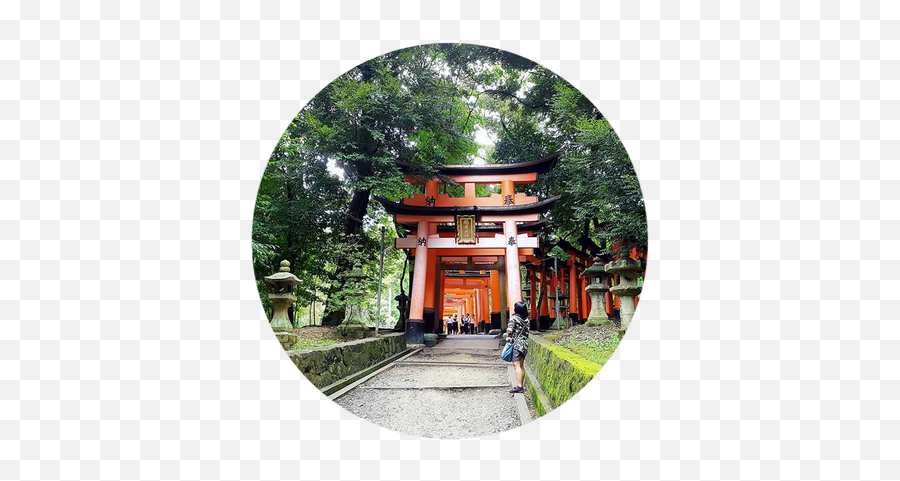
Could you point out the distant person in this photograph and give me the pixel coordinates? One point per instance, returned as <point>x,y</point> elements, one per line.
<point>517,334</point>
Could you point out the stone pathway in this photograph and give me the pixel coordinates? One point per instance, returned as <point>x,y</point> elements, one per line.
<point>458,389</point>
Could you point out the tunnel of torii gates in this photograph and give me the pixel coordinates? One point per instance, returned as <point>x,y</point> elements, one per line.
<point>469,251</point>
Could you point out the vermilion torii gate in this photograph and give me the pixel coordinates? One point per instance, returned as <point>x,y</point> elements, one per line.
<point>470,233</point>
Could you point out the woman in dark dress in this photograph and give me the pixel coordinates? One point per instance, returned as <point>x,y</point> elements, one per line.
<point>517,334</point>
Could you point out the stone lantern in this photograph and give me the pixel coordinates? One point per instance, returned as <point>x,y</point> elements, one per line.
<point>282,284</point>
<point>353,324</point>
<point>402,305</point>
<point>559,301</point>
<point>628,270</point>
<point>597,290</point>
<point>561,304</point>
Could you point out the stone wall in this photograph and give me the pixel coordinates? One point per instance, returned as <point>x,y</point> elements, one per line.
<point>326,365</point>
<point>287,339</point>
<point>560,372</point>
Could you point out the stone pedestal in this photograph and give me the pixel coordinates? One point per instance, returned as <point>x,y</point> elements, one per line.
<point>597,316</point>
<point>287,339</point>
<point>628,270</point>
<point>353,325</point>
<point>560,304</point>
<point>280,321</point>
<point>559,323</point>
<point>415,332</point>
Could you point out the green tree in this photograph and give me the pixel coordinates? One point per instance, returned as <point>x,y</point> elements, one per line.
<point>424,106</point>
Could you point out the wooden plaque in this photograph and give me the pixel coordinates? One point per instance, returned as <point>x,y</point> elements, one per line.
<point>465,229</point>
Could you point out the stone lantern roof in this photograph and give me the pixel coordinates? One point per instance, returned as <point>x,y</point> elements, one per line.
<point>596,269</point>
<point>624,265</point>
<point>357,274</point>
<point>283,276</point>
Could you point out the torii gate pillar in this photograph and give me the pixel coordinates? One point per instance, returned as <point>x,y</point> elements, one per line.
<point>415,326</point>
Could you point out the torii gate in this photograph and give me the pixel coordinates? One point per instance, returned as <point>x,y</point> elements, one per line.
<point>470,232</point>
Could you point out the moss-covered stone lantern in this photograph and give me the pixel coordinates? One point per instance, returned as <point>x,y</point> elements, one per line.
<point>353,325</point>
<point>627,289</point>
<point>597,289</point>
<point>282,285</point>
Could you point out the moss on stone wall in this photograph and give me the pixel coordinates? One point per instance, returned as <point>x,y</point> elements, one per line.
<point>536,400</point>
<point>326,365</point>
<point>561,372</point>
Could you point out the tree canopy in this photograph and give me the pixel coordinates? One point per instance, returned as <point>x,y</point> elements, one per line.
<point>430,105</point>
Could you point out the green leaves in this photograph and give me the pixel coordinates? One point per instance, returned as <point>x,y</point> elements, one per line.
<point>427,105</point>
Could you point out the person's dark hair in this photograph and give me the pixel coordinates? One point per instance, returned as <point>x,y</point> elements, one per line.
<point>521,310</point>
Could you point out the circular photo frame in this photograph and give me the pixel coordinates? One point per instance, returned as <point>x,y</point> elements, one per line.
<point>449,240</point>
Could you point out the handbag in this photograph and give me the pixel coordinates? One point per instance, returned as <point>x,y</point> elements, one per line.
<point>507,353</point>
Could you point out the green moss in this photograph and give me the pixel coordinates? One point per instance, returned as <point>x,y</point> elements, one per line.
<point>310,343</point>
<point>326,364</point>
<point>592,351</point>
<point>596,323</point>
<point>536,400</point>
<point>595,355</point>
<point>560,371</point>
<point>587,367</point>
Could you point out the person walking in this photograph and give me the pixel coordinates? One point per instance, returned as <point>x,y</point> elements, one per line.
<point>517,334</point>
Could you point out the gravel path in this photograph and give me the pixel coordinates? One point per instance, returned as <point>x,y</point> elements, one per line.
<point>455,356</point>
<point>447,414</point>
<point>407,375</point>
<point>439,413</point>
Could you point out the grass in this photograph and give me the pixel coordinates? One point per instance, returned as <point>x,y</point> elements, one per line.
<point>310,343</point>
<point>593,351</point>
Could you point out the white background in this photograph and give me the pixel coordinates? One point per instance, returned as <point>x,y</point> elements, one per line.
<point>133,137</point>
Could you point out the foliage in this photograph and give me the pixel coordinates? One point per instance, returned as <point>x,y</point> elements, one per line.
<point>426,106</point>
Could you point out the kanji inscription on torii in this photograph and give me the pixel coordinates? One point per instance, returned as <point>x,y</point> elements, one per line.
<point>465,229</point>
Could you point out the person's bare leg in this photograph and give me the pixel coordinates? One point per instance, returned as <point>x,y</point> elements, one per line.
<point>520,372</point>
